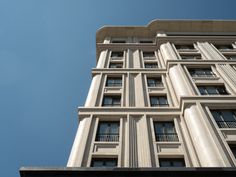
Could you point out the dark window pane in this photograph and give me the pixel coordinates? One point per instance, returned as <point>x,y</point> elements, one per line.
<point>154,82</point>
<point>158,101</point>
<point>184,47</point>
<point>116,65</point>
<point>225,118</point>
<point>114,82</point>
<point>111,101</point>
<point>118,41</point>
<point>108,131</point>
<point>146,42</point>
<point>173,162</point>
<point>117,54</point>
<point>150,65</point>
<point>233,149</point>
<point>148,54</point>
<point>165,131</point>
<point>108,162</point>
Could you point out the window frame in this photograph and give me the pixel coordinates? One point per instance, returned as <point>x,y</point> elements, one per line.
<point>194,72</point>
<point>109,136</point>
<point>104,160</point>
<point>218,89</point>
<point>114,81</point>
<point>223,122</point>
<point>182,160</point>
<point>157,82</point>
<point>117,55</point>
<point>150,64</point>
<point>164,135</point>
<point>158,101</point>
<point>112,97</point>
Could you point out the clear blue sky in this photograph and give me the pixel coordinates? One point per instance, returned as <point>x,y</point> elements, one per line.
<point>47,50</point>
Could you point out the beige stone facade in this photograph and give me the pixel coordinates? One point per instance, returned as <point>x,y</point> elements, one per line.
<point>161,95</point>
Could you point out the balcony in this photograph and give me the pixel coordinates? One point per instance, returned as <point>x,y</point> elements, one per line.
<point>226,124</point>
<point>167,137</point>
<point>108,137</point>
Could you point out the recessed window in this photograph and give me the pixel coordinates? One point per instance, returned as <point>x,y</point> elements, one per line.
<point>108,131</point>
<point>150,65</point>
<point>190,57</point>
<point>116,65</point>
<point>165,131</point>
<point>104,162</point>
<point>146,41</point>
<point>149,54</point>
<point>201,72</point>
<point>171,162</point>
<point>154,82</point>
<point>117,54</point>
<point>230,57</point>
<point>233,149</point>
<point>113,100</point>
<point>118,41</point>
<point>212,90</point>
<point>224,46</point>
<point>184,47</point>
<point>158,101</point>
<point>114,82</point>
<point>225,118</point>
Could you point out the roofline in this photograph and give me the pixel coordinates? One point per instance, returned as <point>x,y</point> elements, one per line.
<point>168,26</point>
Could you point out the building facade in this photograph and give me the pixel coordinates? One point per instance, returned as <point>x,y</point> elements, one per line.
<point>162,95</point>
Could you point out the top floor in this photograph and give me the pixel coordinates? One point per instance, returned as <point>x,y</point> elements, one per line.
<point>158,32</point>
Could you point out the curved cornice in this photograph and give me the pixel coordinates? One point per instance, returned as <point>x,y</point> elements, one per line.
<point>167,26</point>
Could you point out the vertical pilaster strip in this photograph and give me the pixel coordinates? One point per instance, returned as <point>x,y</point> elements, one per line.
<point>228,74</point>
<point>178,82</point>
<point>208,51</point>
<point>167,52</point>
<point>144,156</point>
<point>102,59</point>
<point>204,144</point>
<point>79,145</point>
<point>93,91</point>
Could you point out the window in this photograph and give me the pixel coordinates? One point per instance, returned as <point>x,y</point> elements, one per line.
<point>212,90</point>
<point>118,54</point>
<point>224,46</point>
<point>111,101</point>
<point>233,149</point>
<point>165,131</point>
<point>154,82</point>
<point>104,162</point>
<point>116,65</point>
<point>108,131</point>
<point>225,118</point>
<point>201,72</point>
<point>230,57</point>
<point>171,162</point>
<point>150,65</point>
<point>185,47</point>
<point>118,41</point>
<point>114,82</point>
<point>158,101</point>
<point>191,57</point>
<point>146,41</point>
<point>148,54</point>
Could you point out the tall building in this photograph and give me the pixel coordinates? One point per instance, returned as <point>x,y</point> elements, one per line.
<point>162,96</point>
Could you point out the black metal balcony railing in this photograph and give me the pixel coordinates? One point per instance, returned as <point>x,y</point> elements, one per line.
<point>226,124</point>
<point>107,137</point>
<point>167,137</point>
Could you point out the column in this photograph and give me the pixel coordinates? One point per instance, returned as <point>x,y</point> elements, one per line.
<point>204,144</point>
